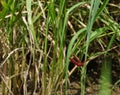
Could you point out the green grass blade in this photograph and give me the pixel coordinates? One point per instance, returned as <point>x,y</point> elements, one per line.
<point>105,83</point>
<point>105,2</point>
<point>30,22</point>
<point>71,50</point>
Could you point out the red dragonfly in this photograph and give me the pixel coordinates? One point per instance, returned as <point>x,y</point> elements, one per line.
<point>75,60</point>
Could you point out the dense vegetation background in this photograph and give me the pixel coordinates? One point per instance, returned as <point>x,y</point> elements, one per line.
<point>37,38</point>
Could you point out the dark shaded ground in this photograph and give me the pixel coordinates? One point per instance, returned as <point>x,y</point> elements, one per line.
<point>93,78</point>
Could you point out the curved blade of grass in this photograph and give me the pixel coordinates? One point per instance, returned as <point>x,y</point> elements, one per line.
<point>71,43</point>
<point>95,34</point>
<point>116,83</point>
<point>70,50</point>
<point>67,15</point>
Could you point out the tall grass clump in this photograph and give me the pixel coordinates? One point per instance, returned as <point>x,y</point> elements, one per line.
<point>93,15</point>
<point>37,38</point>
